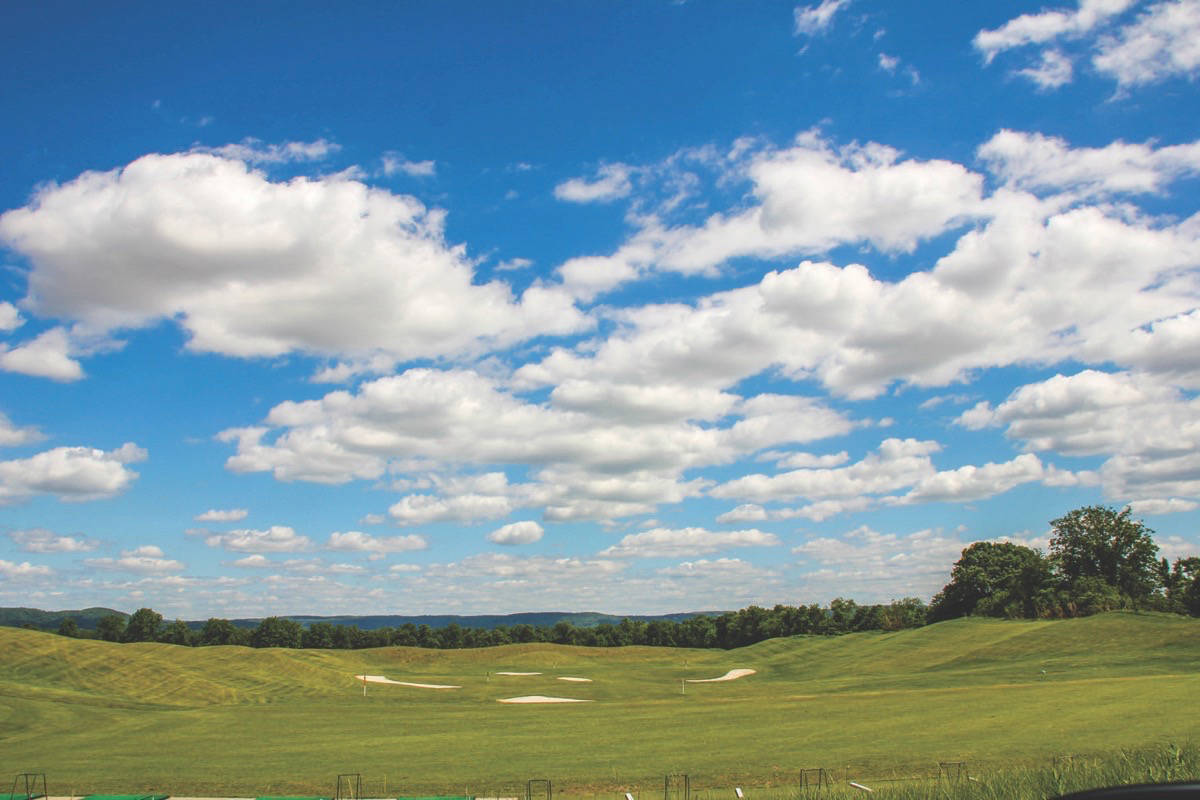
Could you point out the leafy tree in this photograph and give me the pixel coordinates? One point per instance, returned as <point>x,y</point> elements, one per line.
<point>564,633</point>
<point>318,636</point>
<point>218,631</point>
<point>110,627</point>
<point>1101,542</point>
<point>997,579</point>
<point>909,612</point>
<point>178,633</point>
<point>68,627</point>
<point>1183,586</point>
<point>277,632</point>
<point>143,626</point>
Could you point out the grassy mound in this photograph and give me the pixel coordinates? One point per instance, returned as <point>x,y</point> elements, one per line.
<point>232,721</point>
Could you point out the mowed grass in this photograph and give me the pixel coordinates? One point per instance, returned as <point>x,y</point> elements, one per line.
<point>230,721</point>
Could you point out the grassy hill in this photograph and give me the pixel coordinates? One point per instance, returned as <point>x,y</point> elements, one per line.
<point>234,721</point>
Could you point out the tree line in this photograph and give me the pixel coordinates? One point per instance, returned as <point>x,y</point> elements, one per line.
<point>1099,559</point>
<point>728,630</point>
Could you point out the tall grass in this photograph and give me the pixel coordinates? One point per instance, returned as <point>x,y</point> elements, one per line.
<point>1166,763</point>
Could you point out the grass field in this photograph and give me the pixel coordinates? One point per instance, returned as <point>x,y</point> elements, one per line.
<point>229,721</point>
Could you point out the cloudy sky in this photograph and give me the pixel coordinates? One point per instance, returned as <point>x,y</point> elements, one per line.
<point>631,307</point>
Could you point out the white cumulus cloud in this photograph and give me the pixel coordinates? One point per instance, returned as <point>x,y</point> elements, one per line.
<point>524,532</point>
<point>73,474</point>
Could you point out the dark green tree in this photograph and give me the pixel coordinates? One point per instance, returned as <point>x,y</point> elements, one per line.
<point>998,579</point>
<point>110,627</point>
<point>218,631</point>
<point>1101,542</point>
<point>144,625</point>
<point>317,636</point>
<point>178,633</point>
<point>68,627</point>
<point>277,632</point>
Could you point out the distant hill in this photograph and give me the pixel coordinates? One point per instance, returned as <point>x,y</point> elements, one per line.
<point>50,620</point>
<point>88,617</point>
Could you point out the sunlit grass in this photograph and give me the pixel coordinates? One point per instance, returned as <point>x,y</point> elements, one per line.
<point>1001,696</point>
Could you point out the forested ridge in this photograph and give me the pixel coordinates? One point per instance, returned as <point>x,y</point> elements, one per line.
<point>1099,559</point>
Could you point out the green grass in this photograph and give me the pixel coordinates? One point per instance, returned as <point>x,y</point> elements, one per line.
<point>229,721</point>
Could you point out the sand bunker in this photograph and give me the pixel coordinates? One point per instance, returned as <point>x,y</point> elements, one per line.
<point>732,675</point>
<point>518,673</point>
<point>541,698</point>
<point>382,679</point>
<point>576,680</point>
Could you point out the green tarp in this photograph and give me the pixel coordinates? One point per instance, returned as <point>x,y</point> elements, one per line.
<point>126,797</point>
<point>20,796</point>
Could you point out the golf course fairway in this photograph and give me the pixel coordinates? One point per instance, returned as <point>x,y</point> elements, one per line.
<point>234,721</point>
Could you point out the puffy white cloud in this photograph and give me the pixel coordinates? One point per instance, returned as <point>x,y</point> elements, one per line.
<point>12,436</point>
<point>10,318</point>
<point>377,546</point>
<point>591,459</point>
<point>524,532</point>
<point>146,559</point>
<point>40,540</point>
<point>612,181</point>
<point>1164,42</point>
<point>1054,70</point>
<point>276,539</point>
<point>816,19</point>
<point>1042,280</point>
<point>73,474</point>
<point>747,512</point>
<point>1163,505</point>
<point>671,543</point>
<point>255,562</point>
<point>810,461</point>
<point>46,356</point>
<point>1148,428</point>
<point>24,571</point>
<point>420,509</point>
<point>222,515</point>
<point>1036,161</point>
<point>1046,26</point>
<point>899,463</point>
<point>1160,43</point>
<point>253,267</point>
<point>970,482</point>
<point>813,197</point>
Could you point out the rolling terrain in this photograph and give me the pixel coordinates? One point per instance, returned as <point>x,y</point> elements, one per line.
<point>232,721</point>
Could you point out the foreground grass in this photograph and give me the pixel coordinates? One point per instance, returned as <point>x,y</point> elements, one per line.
<point>235,722</point>
<point>1163,764</point>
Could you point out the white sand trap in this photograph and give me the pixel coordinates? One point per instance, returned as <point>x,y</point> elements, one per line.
<point>732,675</point>
<point>518,673</point>
<point>541,698</point>
<point>576,680</point>
<point>382,679</point>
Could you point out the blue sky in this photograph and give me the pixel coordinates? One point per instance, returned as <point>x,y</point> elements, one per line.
<point>629,307</point>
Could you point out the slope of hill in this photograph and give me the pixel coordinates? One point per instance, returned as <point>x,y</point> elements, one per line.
<point>232,721</point>
<point>49,620</point>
